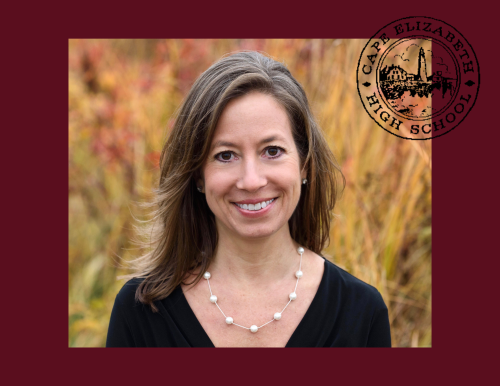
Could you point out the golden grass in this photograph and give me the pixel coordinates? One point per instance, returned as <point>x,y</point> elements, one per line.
<point>121,97</point>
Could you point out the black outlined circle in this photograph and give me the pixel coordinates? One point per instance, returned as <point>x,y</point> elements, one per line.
<point>462,99</point>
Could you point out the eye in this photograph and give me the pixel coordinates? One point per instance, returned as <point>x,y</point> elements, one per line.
<point>225,156</point>
<point>274,151</point>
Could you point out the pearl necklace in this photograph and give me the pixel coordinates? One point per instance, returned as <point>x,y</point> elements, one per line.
<point>277,315</point>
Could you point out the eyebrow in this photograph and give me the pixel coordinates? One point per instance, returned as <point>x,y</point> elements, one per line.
<point>265,140</point>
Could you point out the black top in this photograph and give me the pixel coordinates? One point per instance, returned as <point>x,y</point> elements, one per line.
<point>345,312</point>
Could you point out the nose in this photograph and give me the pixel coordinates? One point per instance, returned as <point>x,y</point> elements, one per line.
<point>251,176</point>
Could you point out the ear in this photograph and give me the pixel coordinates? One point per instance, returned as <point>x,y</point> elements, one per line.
<point>198,177</point>
<point>303,174</point>
<point>199,183</point>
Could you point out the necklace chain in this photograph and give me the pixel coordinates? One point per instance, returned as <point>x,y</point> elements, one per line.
<point>277,315</point>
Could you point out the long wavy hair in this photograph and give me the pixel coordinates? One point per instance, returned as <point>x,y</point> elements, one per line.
<point>181,233</point>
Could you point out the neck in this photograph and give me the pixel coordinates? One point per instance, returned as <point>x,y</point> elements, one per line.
<point>256,261</point>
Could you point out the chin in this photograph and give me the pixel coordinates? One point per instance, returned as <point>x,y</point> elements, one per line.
<point>258,232</point>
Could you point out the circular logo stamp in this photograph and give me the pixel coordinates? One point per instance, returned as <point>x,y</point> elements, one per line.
<point>418,78</point>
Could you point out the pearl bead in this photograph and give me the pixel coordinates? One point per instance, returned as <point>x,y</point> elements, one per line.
<point>298,274</point>
<point>300,250</point>
<point>254,328</point>
<point>207,275</point>
<point>277,316</point>
<point>213,298</point>
<point>293,296</point>
<point>229,320</point>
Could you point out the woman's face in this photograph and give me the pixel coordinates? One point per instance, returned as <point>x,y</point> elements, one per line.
<point>252,157</point>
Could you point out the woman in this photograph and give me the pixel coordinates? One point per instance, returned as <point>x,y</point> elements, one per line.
<point>243,210</point>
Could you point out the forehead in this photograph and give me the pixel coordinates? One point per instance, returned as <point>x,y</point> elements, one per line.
<point>254,117</point>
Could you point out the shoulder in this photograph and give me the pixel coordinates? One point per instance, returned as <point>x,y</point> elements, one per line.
<point>126,295</point>
<point>351,287</point>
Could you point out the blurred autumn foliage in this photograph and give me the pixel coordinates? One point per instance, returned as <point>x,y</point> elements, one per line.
<point>122,95</point>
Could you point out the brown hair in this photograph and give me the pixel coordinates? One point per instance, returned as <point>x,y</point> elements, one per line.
<point>181,234</point>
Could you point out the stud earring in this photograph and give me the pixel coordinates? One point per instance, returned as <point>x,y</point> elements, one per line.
<point>200,188</point>
<point>304,181</point>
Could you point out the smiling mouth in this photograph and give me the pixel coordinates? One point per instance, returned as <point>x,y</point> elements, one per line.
<point>252,208</point>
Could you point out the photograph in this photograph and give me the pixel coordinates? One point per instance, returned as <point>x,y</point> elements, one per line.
<point>243,193</point>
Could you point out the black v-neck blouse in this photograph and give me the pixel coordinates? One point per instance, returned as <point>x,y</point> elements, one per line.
<point>345,312</point>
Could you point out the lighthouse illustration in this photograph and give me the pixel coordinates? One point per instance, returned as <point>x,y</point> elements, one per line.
<point>422,66</point>
<point>409,94</point>
<point>394,73</point>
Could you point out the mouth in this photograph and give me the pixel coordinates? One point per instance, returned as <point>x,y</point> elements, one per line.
<point>251,208</point>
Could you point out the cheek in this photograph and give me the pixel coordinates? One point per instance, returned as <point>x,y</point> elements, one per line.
<point>218,183</point>
<point>290,175</point>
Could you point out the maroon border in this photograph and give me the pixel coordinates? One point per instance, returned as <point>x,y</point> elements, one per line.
<point>463,166</point>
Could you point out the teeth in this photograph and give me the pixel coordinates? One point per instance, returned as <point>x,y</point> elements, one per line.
<point>254,207</point>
